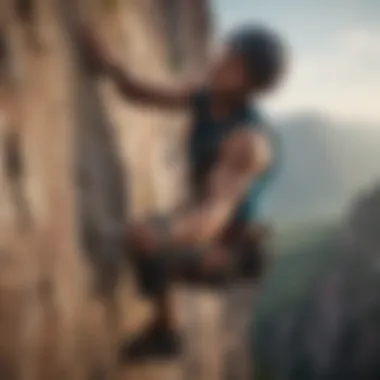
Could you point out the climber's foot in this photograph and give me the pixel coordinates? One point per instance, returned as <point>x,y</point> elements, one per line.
<point>157,342</point>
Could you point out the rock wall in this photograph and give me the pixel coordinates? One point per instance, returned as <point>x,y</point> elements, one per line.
<point>323,322</point>
<point>89,160</point>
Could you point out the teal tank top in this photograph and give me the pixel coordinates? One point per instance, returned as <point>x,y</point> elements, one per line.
<point>204,142</point>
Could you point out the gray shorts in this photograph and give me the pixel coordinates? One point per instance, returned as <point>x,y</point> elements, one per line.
<point>247,261</point>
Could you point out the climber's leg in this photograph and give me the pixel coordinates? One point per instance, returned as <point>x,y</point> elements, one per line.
<point>160,338</point>
<point>153,270</point>
<point>236,256</point>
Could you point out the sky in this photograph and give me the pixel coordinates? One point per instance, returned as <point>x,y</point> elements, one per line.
<point>335,53</point>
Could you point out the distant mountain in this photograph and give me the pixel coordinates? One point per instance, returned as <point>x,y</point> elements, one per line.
<point>324,164</point>
<point>317,309</point>
<point>294,237</point>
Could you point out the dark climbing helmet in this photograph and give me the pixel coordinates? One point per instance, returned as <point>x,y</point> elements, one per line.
<point>263,53</point>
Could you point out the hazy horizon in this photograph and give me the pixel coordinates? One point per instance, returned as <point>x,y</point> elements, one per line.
<point>323,167</point>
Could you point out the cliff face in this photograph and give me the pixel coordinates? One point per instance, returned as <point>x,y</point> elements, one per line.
<point>90,160</point>
<point>324,321</point>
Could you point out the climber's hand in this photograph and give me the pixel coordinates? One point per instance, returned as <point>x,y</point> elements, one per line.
<point>144,237</point>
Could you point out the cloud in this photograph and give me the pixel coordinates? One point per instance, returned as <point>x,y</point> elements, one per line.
<point>343,80</point>
<point>336,68</point>
<point>360,41</point>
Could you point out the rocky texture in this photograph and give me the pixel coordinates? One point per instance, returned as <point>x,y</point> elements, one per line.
<point>317,315</point>
<point>87,155</point>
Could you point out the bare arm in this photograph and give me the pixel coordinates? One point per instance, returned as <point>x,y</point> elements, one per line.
<point>99,58</point>
<point>147,94</point>
<point>244,156</point>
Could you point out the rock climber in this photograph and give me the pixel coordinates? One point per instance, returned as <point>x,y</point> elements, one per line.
<point>232,154</point>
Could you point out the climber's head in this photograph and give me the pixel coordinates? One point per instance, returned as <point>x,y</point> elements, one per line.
<point>253,62</point>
